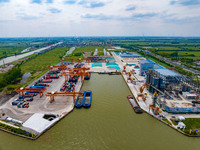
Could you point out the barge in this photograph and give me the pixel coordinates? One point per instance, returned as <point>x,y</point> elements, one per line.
<point>133,103</point>
<point>88,98</point>
<point>80,100</point>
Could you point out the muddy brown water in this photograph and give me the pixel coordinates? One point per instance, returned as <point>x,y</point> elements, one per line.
<point>109,124</point>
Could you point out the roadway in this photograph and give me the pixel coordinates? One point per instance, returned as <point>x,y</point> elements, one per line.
<point>174,63</point>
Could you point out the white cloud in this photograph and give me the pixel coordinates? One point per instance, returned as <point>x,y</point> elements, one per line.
<point>98,18</point>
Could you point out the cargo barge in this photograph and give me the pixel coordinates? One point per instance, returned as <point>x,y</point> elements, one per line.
<point>133,103</point>
<point>80,100</point>
<point>88,98</point>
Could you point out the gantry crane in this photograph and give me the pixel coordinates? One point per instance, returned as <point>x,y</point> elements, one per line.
<point>86,59</point>
<point>72,72</point>
<point>35,90</point>
<point>70,59</point>
<point>57,67</point>
<point>81,74</point>
<point>73,94</point>
<point>83,69</point>
<point>141,89</point>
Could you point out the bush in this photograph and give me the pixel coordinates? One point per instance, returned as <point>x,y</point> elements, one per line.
<point>11,76</point>
<point>78,54</point>
<point>15,130</point>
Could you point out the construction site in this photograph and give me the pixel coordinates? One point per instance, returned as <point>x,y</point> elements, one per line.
<point>158,91</point>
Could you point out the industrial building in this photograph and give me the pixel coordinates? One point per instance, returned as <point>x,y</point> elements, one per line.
<point>162,78</point>
<point>146,65</point>
<point>130,56</point>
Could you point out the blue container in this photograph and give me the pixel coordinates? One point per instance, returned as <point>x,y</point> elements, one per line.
<point>38,87</point>
<point>21,97</point>
<point>15,102</point>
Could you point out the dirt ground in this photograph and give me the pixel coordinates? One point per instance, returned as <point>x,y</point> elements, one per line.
<point>5,97</point>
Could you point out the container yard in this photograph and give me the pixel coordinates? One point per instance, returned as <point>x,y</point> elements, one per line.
<point>156,90</point>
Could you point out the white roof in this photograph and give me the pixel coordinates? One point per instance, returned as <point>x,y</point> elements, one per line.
<point>181,118</point>
<point>181,124</point>
<point>38,123</point>
<point>191,94</point>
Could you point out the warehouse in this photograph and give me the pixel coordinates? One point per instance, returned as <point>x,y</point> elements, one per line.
<point>145,65</point>
<point>161,78</point>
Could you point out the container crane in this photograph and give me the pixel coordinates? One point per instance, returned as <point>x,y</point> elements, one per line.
<point>57,67</point>
<point>86,59</point>
<point>81,69</point>
<point>53,94</point>
<point>70,59</point>
<point>81,74</point>
<point>35,90</point>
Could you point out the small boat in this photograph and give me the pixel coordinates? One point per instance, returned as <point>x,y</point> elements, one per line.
<point>88,98</point>
<point>80,100</point>
<point>133,103</point>
<point>103,72</point>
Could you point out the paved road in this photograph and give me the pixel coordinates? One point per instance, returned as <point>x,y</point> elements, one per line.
<point>69,52</point>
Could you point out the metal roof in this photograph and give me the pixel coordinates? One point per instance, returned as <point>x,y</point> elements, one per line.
<point>130,55</point>
<point>146,61</point>
<point>167,72</point>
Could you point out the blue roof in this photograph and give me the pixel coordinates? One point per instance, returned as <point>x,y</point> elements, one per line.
<point>167,72</point>
<point>130,55</point>
<point>145,61</point>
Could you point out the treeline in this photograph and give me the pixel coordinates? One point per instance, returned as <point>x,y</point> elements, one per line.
<point>10,77</point>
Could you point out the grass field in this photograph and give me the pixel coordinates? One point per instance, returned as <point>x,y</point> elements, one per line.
<point>167,121</point>
<point>101,54</point>
<point>192,123</point>
<point>40,62</point>
<point>183,54</point>
<point>6,50</point>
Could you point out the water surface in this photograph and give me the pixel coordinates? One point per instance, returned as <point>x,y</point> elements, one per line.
<point>110,124</point>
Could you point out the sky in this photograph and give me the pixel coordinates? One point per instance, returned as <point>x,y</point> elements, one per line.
<point>43,18</point>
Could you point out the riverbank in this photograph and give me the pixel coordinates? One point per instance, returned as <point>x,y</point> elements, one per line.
<point>145,105</point>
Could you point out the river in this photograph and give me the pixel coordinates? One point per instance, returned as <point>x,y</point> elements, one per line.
<point>110,124</point>
<point>14,58</point>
